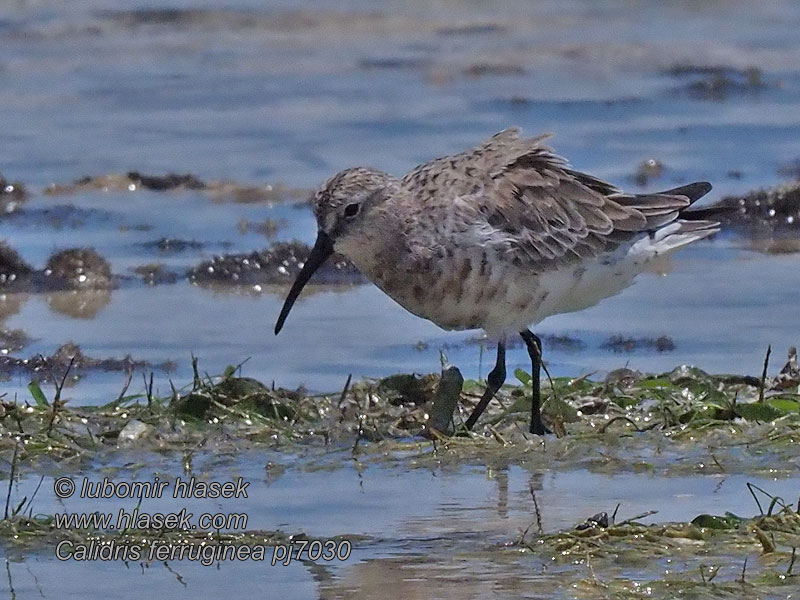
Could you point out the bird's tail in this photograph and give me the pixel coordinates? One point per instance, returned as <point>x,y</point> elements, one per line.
<point>663,208</point>
<point>690,224</point>
<point>681,232</point>
<point>693,191</point>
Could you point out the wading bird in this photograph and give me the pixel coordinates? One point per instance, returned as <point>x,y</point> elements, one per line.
<point>497,238</point>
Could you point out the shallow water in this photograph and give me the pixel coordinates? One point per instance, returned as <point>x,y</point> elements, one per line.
<point>463,511</point>
<point>281,95</point>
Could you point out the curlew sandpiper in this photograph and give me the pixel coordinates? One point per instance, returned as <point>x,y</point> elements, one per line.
<point>497,238</point>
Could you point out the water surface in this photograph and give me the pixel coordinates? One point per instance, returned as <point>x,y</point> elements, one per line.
<point>275,93</point>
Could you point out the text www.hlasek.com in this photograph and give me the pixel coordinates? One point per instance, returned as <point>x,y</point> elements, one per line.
<point>124,520</point>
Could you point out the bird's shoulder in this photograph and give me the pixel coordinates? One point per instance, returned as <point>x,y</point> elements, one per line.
<point>467,172</point>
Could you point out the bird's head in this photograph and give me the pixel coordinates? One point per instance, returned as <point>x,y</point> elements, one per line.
<point>341,208</point>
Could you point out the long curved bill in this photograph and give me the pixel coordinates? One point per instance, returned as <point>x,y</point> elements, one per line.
<point>322,249</point>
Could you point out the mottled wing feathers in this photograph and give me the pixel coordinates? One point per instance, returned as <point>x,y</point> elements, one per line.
<point>543,212</point>
<point>467,172</point>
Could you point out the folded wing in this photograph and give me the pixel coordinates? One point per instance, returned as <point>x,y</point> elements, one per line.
<point>545,213</point>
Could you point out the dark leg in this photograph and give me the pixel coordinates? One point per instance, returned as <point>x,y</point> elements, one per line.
<point>493,383</point>
<point>534,345</point>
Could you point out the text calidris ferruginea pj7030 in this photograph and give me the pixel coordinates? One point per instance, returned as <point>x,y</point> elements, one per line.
<point>497,238</point>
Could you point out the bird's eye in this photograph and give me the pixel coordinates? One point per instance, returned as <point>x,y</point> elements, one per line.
<point>351,210</point>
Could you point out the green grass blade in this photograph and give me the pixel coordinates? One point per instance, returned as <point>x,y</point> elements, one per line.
<point>38,395</point>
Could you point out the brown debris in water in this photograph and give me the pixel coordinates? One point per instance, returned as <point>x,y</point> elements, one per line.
<point>619,343</point>
<point>233,19</point>
<point>266,227</point>
<point>42,368</point>
<point>472,29</point>
<point>12,193</point>
<point>394,62</point>
<point>76,269</point>
<point>130,181</point>
<point>241,393</point>
<point>79,268</point>
<point>623,378</point>
<point>407,388</point>
<point>11,189</point>
<point>12,267</point>
<point>561,342</point>
<point>774,245</point>
<point>105,183</point>
<point>278,264</point>
<point>228,191</point>
<point>13,340</point>
<point>170,181</point>
<point>155,274</point>
<point>717,83</point>
<point>768,209</point>
<point>219,191</point>
<point>173,245</point>
<point>477,70</point>
<point>647,171</point>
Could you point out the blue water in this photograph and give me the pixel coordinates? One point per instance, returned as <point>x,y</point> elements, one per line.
<point>276,93</point>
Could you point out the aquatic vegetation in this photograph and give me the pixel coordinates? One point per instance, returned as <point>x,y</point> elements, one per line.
<point>170,181</point>
<point>173,245</point>
<point>70,269</point>
<point>280,263</point>
<point>156,274</point>
<point>686,413</point>
<point>12,194</point>
<point>718,83</point>
<point>12,340</point>
<point>773,207</point>
<point>219,191</point>
<point>618,343</point>
<point>79,268</point>
<point>711,556</point>
<point>677,422</point>
<point>648,170</point>
<point>68,356</point>
<point>12,266</point>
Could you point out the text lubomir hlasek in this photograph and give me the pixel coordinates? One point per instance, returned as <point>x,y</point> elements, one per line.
<point>181,488</point>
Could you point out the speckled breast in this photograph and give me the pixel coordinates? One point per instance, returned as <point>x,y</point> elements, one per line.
<point>468,291</point>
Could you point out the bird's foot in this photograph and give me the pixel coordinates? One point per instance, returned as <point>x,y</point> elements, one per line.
<point>538,427</point>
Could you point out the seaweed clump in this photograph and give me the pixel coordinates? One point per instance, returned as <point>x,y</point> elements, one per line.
<point>12,267</point>
<point>79,268</point>
<point>717,83</point>
<point>170,181</point>
<point>67,357</point>
<point>774,207</point>
<point>279,264</point>
<point>12,193</point>
<point>709,556</point>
